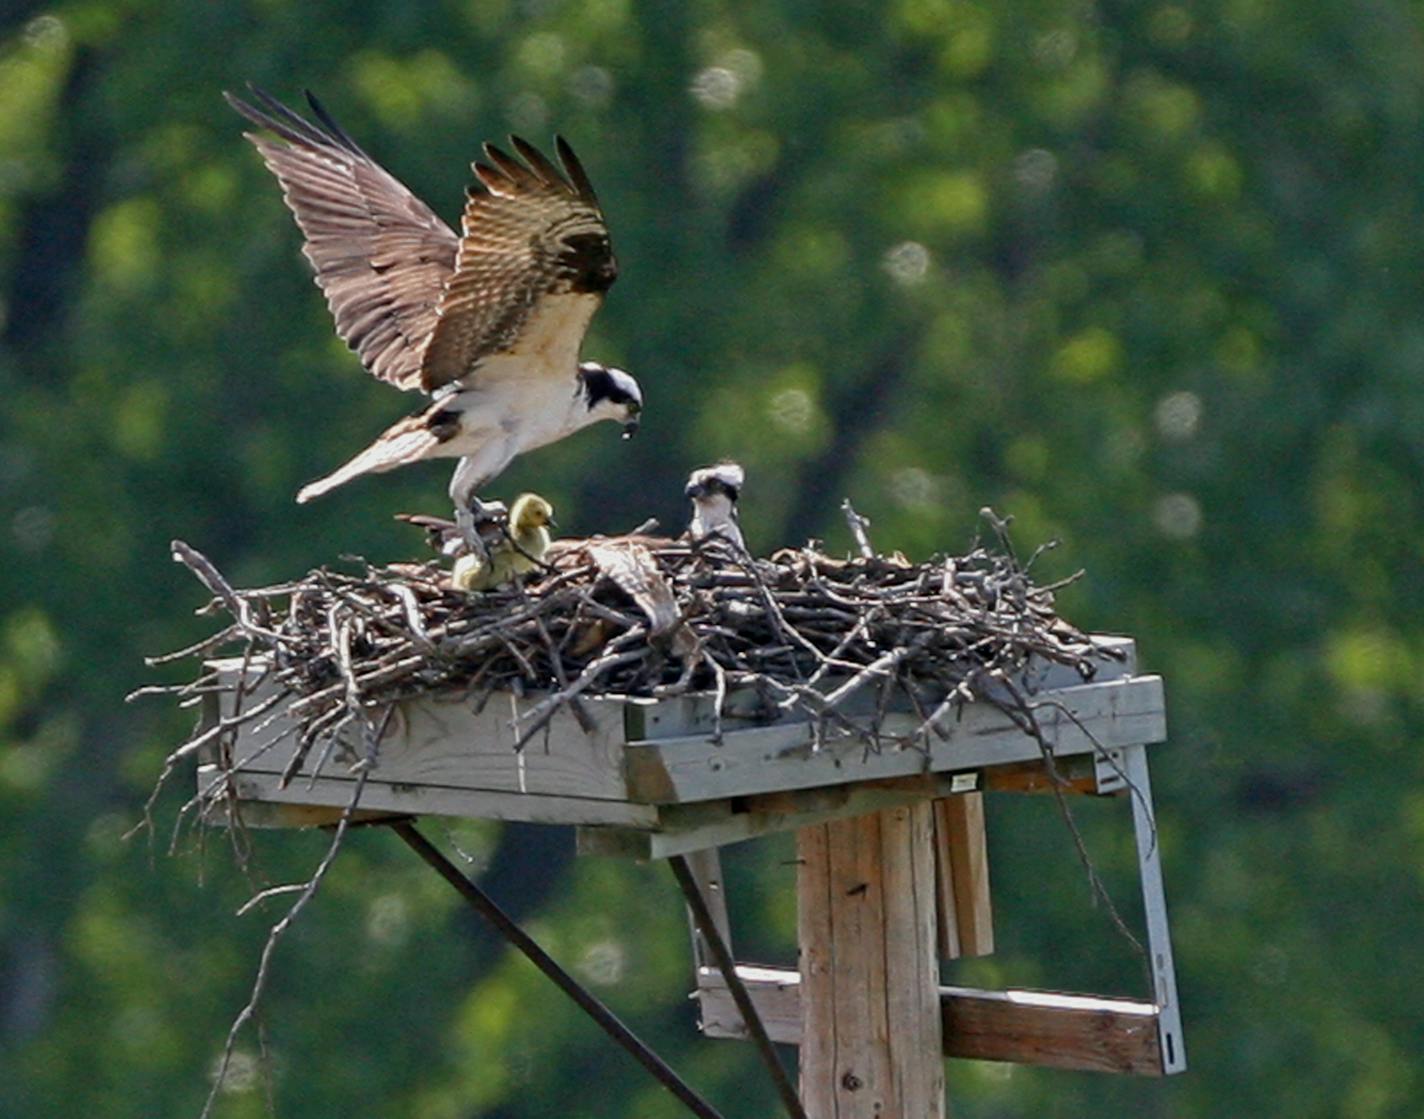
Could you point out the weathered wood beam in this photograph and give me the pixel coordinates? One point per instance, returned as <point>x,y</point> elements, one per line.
<point>442,740</point>
<point>1026,1027</point>
<point>264,814</point>
<point>869,1014</point>
<point>965,911</point>
<point>1076,776</point>
<point>683,828</point>
<point>1077,720</point>
<point>695,713</point>
<point>434,800</point>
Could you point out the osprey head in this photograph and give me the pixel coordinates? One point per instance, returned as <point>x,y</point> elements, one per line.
<point>725,478</point>
<point>611,394</point>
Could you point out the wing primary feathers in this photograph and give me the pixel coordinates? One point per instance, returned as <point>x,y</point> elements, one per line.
<point>288,132</point>
<point>490,179</point>
<point>577,175</point>
<point>335,130</point>
<point>511,168</point>
<point>273,115</point>
<point>381,256</point>
<point>503,171</point>
<point>292,126</point>
<point>540,163</point>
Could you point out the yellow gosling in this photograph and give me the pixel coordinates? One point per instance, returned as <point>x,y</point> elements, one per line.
<point>518,554</point>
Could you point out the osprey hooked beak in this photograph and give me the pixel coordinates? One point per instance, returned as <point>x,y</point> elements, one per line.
<point>632,420</point>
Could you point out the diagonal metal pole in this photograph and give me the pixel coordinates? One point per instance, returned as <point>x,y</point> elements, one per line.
<point>606,1019</point>
<point>722,956</point>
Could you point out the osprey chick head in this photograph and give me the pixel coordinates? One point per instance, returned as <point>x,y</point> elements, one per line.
<point>725,478</point>
<point>714,491</point>
<point>611,394</point>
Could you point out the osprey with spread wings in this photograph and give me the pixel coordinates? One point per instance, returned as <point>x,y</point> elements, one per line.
<point>488,323</point>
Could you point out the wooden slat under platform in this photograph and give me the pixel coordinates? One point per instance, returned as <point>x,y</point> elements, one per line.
<point>1027,1027</point>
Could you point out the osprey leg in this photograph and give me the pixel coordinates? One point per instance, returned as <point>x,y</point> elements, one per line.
<point>472,514</point>
<point>478,519</point>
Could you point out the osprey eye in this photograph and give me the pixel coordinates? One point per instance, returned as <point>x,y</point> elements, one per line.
<point>634,408</point>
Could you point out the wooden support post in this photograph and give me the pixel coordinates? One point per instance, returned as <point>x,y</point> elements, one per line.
<point>871,1030</point>
<point>965,912</point>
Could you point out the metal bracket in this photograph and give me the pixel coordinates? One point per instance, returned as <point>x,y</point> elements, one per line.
<point>1154,905</point>
<point>1109,771</point>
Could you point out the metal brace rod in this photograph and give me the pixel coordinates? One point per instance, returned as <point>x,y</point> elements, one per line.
<point>483,904</point>
<point>722,956</point>
<point>1154,905</point>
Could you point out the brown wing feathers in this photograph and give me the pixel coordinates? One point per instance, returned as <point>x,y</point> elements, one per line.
<point>381,255</point>
<point>529,229</point>
<point>421,306</point>
<point>575,170</point>
<point>537,172</point>
<point>507,176</point>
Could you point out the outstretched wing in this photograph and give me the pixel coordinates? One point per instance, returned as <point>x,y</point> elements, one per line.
<point>533,265</point>
<point>382,257</point>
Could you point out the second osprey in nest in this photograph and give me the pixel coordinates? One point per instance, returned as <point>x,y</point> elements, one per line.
<point>488,323</point>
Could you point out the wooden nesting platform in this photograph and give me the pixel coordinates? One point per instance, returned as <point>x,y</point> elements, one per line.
<point>650,777</point>
<point>655,778</point>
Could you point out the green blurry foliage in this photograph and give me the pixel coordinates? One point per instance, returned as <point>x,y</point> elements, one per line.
<point>1146,277</point>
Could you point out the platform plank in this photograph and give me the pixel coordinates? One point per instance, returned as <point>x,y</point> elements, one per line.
<point>684,828</point>
<point>1075,720</point>
<point>444,740</point>
<point>465,757</point>
<point>695,713</point>
<point>436,800</point>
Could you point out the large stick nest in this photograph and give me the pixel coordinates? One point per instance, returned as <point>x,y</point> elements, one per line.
<point>636,616</point>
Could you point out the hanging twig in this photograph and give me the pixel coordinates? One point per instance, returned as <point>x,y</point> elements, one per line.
<point>274,935</point>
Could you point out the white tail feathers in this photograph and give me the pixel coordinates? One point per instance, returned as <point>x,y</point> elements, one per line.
<point>406,442</point>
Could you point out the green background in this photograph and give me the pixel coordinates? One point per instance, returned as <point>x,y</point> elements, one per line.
<point>1145,276</point>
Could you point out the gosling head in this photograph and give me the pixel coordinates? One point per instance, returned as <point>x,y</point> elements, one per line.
<point>529,513</point>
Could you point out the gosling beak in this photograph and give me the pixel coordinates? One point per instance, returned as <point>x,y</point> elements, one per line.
<point>552,523</point>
